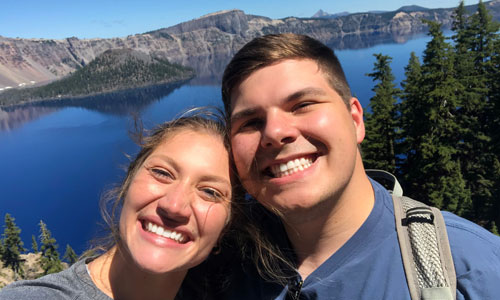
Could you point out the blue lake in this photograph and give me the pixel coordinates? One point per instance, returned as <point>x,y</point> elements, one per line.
<point>57,159</point>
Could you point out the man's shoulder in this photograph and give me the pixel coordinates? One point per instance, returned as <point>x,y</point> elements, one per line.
<point>463,231</point>
<point>476,257</point>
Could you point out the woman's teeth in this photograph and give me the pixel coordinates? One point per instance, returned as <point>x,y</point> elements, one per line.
<point>159,230</point>
<point>290,167</point>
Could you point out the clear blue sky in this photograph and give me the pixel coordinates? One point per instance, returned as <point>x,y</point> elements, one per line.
<point>57,19</point>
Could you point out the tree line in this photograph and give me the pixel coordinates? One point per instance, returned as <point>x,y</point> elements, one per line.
<point>11,248</point>
<point>440,132</point>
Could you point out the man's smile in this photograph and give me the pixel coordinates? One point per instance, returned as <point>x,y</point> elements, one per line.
<point>290,167</point>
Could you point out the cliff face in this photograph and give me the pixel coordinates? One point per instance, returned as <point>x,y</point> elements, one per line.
<point>207,43</point>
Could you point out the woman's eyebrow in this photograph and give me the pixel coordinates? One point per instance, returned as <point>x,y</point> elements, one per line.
<point>165,158</point>
<point>216,178</point>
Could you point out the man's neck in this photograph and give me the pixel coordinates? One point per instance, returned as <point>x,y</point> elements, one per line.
<point>316,238</point>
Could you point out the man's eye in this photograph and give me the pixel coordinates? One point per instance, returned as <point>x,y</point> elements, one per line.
<point>251,124</point>
<point>302,106</point>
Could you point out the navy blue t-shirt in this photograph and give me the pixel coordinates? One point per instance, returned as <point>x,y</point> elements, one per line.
<point>369,265</point>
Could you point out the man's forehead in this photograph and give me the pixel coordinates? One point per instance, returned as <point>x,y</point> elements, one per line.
<point>236,91</point>
<point>243,97</point>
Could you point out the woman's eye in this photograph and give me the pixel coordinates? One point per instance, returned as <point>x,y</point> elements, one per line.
<point>212,193</point>
<point>161,173</point>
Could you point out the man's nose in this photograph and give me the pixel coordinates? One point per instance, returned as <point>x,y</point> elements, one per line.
<point>176,202</point>
<point>279,129</point>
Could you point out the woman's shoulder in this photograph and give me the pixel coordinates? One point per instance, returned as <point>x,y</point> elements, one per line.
<point>72,283</point>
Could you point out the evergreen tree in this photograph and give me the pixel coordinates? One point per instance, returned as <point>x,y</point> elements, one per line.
<point>50,261</point>
<point>12,246</point>
<point>412,124</point>
<point>474,48</point>
<point>464,60</point>
<point>379,144</point>
<point>483,33</point>
<point>437,168</point>
<point>460,26</point>
<point>70,256</point>
<point>495,130</point>
<point>494,228</point>
<point>34,244</point>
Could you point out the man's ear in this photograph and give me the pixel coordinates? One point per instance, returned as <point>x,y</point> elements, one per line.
<point>357,118</point>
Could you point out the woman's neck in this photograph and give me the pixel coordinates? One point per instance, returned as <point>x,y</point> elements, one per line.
<point>116,275</point>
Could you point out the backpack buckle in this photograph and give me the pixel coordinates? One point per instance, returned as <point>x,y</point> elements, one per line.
<point>419,214</point>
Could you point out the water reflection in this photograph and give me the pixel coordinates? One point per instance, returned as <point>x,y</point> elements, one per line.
<point>121,103</point>
<point>361,41</point>
<point>209,68</point>
<point>14,117</point>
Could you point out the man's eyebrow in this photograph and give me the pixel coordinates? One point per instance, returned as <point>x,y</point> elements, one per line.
<point>310,91</point>
<point>243,114</point>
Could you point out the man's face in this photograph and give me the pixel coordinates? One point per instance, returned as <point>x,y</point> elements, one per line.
<point>294,140</point>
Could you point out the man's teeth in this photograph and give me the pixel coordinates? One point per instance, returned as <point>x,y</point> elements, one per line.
<point>156,229</point>
<point>291,167</point>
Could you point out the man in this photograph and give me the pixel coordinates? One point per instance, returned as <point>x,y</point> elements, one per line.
<point>295,131</point>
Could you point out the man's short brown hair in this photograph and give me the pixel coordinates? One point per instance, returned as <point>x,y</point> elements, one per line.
<point>274,48</point>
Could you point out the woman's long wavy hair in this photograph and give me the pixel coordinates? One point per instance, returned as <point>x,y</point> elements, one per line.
<point>207,120</point>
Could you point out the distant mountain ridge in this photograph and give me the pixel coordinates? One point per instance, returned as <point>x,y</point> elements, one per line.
<point>407,8</point>
<point>206,43</point>
<point>412,8</point>
<point>324,14</point>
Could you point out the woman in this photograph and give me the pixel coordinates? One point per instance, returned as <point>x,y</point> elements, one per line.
<point>173,205</point>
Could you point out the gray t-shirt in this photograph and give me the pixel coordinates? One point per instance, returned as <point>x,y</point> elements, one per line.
<point>73,283</point>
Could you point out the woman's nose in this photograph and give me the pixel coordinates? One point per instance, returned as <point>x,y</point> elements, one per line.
<point>175,204</point>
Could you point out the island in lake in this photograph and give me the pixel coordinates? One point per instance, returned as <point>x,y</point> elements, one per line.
<point>113,70</point>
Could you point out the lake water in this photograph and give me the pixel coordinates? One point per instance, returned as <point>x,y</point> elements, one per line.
<point>56,159</point>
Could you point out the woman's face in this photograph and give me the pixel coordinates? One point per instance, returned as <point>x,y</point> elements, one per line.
<point>177,203</point>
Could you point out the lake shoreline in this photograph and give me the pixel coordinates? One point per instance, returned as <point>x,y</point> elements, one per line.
<point>164,83</point>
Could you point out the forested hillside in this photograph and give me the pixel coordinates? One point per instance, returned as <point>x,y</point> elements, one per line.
<point>111,71</point>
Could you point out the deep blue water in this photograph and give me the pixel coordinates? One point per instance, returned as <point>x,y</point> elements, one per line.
<point>56,160</point>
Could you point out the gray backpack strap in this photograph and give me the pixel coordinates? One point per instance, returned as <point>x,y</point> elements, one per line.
<point>392,183</point>
<point>425,250</point>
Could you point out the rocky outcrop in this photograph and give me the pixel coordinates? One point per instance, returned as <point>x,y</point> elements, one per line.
<point>207,43</point>
<point>31,268</point>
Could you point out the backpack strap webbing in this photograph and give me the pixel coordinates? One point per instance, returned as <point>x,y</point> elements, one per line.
<point>425,250</point>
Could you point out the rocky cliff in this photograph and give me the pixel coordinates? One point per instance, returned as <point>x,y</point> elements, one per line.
<point>207,43</point>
